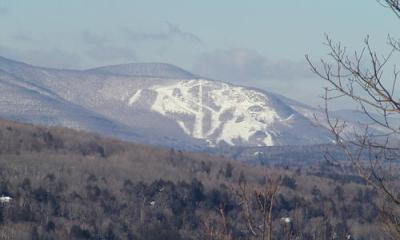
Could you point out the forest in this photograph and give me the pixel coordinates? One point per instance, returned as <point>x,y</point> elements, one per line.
<point>66,184</point>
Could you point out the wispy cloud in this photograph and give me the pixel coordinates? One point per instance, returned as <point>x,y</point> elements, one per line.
<point>250,68</point>
<point>53,57</point>
<point>92,38</point>
<point>245,66</point>
<point>173,32</point>
<point>103,49</point>
<point>111,54</point>
<point>23,37</point>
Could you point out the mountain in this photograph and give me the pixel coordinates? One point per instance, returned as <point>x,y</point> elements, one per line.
<point>155,103</point>
<point>157,70</point>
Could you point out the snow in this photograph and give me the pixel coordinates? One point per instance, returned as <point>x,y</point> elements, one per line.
<point>249,111</point>
<point>5,199</point>
<point>135,97</point>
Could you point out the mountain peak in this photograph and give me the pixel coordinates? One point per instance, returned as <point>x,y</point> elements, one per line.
<point>156,70</point>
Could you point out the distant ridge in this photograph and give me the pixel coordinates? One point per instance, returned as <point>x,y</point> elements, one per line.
<point>157,70</point>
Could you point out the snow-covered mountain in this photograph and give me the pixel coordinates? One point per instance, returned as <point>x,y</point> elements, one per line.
<point>154,103</point>
<point>159,70</point>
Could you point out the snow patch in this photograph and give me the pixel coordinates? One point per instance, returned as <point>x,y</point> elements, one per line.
<point>135,97</point>
<point>5,199</point>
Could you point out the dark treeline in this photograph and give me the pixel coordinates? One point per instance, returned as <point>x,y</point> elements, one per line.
<point>70,185</point>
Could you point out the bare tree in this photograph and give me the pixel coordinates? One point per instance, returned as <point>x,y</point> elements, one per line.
<point>363,78</point>
<point>394,5</point>
<point>257,205</point>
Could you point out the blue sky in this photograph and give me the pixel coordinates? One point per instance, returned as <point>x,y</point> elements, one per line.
<point>257,43</point>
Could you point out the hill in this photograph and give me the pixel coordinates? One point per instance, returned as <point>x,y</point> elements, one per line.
<point>66,184</point>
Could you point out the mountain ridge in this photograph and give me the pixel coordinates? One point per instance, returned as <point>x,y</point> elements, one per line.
<point>161,103</point>
<point>150,69</point>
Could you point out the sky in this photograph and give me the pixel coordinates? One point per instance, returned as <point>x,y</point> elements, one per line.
<point>259,43</point>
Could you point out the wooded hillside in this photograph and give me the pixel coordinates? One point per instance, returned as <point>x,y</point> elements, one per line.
<point>66,184</point>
